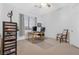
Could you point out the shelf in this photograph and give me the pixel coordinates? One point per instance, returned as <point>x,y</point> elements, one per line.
<point>10,48</point>
<point>9,35</point>
<point>11,53</point>
<point>9,41</point>
<point>9,31</point>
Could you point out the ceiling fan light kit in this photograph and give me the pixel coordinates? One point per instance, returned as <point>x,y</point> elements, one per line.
<point>43,5</point>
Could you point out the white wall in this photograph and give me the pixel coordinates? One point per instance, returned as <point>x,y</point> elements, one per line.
<point>16,11</point>
<point>74,23</point>
<point>1,18</point>
<point>54,21</point>
<point>63,18</point>
<point>5,9</point>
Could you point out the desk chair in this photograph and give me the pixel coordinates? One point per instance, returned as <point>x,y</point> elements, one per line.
<point>42,36</point>
<point>62,36</point>
<point>34,28</point>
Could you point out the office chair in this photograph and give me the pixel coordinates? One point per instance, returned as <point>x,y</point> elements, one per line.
<point>34,28</point>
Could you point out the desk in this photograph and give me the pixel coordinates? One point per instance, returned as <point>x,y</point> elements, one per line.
<point>36,35</point>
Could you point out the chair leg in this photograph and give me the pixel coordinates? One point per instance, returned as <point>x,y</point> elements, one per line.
<point>56,38</point>
<point>42,38</point>
<point>60,40</point>
<point>66,40</point>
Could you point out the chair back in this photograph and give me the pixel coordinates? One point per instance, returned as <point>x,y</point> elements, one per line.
<point>34,28</point>
<point>43,29</point>
<point>65,32</point>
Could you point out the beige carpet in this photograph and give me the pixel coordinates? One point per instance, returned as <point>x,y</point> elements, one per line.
<point>46,47</point>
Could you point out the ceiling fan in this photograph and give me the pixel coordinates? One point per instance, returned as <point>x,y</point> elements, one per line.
<point>43,5</point>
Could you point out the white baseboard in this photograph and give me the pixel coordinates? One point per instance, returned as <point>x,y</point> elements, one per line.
<point>75,45</point>
<point>21,38</point>
<point>24,37</point>
<point>49,38</point>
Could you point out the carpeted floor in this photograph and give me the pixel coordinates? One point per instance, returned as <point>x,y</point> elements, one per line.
<point>46,47</point>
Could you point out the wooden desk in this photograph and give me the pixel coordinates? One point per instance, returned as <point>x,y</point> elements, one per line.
<point>36,35</point>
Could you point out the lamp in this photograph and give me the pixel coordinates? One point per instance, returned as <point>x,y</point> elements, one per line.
<point>10,14</point>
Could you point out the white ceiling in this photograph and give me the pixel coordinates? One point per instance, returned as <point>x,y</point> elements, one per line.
<point>31,9</point>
